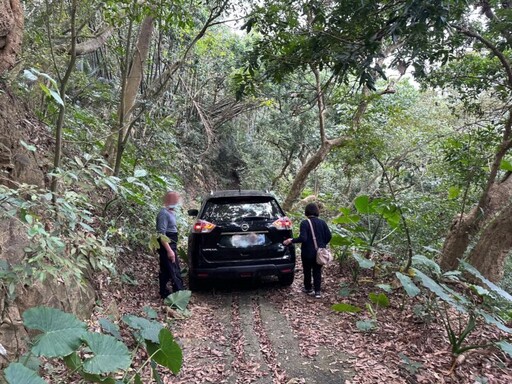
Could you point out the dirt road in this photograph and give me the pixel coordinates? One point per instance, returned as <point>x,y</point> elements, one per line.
<point>265,334</point>
<point>240,336</point>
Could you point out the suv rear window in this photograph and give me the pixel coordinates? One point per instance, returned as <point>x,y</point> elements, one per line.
<point>233,209</point>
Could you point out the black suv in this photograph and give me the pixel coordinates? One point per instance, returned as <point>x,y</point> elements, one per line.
<point>239,234</point>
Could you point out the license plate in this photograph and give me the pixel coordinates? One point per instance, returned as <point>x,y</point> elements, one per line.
<point>248,240</point>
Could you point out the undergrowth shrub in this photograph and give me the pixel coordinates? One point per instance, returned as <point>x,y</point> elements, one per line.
<point>94,357</point>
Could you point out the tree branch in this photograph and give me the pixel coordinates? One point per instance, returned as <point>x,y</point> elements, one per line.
<point>504,61</point>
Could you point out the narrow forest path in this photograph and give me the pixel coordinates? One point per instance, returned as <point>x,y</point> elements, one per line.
<point>251,337</point>
<point>263,333</point>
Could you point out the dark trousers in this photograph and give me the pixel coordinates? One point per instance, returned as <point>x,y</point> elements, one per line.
<point>310,267</point>
<point>169,271</point>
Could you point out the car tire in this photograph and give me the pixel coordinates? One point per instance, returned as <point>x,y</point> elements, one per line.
<point>286,279</point>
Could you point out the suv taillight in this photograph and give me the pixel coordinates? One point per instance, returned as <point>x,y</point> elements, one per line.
<point>203,226</point>
<point>283,223</point>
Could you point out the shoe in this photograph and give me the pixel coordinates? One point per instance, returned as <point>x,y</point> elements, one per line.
<point>307,291</point>
<point>318,295</point>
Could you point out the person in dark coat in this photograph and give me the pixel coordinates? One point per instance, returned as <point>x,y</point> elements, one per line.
<point>168,251</point>
<point>308,251</point>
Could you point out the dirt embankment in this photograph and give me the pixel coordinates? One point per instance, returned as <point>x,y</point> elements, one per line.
<point>25,145</point>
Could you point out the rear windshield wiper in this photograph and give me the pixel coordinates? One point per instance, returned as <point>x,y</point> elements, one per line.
<point>254,218</point>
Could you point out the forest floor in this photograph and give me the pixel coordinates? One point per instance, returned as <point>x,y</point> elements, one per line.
<point>262,333</point>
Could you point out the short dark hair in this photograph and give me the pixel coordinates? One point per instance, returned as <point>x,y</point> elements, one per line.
<point>312,210</point>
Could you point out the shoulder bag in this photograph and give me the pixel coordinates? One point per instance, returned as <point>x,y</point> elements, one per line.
<point>323,255</point>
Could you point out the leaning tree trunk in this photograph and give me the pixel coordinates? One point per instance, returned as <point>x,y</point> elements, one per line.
<point>491,251</point>
<point>464,230</point>
<point>457,240</point>
<point>11,32</point>
<point>494,197</point>
<point>129,91</point>
<point>299,182</point>
<point>301,177</point>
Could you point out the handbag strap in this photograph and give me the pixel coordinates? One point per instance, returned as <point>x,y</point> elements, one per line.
<point>313,232</point>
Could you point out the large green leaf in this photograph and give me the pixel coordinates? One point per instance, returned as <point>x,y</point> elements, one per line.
<point>110,327</point>
<point>140,173</point>
<point>379,299</point>
<point>363,262</point>
<point>366,325</point>
<point>17,373</point>
<point>506,165</point>
<point>110,355</point>
<point>30,361</point>
<point>468,267</point>
<point>407,283</point>
<point>385,287</point>
<point>419,260</point>
<point>498,323</point>
<point>362,204</point>
<point>437,289</point>
<point>74,363</point>
<point>178,300</point>
<point>339,240</point>
<point>62,332</point>
<point>505,346</point>
<point>344,307</point>
<point>149,330</point>
<point>168,353</point>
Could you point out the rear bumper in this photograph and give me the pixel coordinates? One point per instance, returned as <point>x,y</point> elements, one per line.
<point>243,271</point>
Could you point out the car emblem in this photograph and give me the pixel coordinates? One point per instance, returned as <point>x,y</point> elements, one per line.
<point>245,227</point>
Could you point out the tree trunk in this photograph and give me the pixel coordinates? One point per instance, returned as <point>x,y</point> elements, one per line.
<point>309,166</point>
<point>457,241</point>
<point>129,91</point>
<point>62,92</point>
<point>301,177</point>
<point>491,201</point>
<point>131,88</point>
<point>465,228</point>
<point>11,32</point>
<point>491,251</point>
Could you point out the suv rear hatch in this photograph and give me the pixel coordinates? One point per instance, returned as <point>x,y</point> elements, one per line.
<point>246,229</point>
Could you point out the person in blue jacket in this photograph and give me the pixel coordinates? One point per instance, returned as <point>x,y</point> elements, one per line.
<point>308,251</point>
<point>168,251</point>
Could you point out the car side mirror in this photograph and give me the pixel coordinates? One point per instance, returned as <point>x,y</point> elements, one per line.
<point>193,212</point>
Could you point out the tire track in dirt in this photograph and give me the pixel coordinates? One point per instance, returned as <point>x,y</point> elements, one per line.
<point>261,345</point>
<point>248,365</point>
<point>266,345</point>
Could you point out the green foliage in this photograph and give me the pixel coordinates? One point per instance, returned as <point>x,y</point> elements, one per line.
<point>344,307</point>
<point>145,329</point>
<point>179,299</point>
<point>62,242</point>
<point>469,310</point>
<point>109,327</point>
<point>363,262</point>
<point>380,300</point>
<point>105,357</point>
<point>409,286</point>
<point>109,354</point>
<point>361,230</point>
<point>17,373</point>
<point>167,352</point>
<point>62,332</point>
<point>366,325</point>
